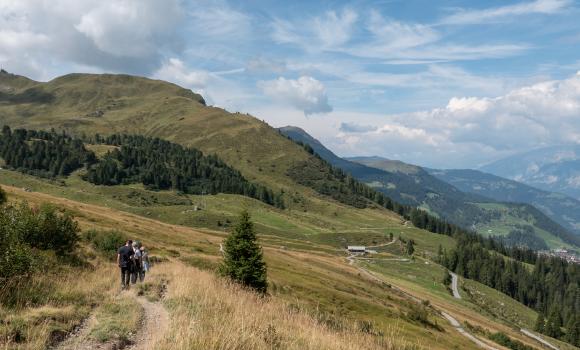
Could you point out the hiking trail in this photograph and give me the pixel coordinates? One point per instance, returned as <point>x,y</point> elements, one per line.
<point>152,327</point>
<point>154,324</point>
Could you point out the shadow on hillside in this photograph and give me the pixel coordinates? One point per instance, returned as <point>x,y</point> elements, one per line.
<point>32,95</point>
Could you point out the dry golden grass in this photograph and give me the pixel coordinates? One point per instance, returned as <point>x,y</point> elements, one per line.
<point>44,307</point>
<point>208,312</point>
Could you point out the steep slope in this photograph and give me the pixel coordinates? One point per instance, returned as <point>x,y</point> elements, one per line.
<point>106,104</point>
<point>554,169</point>
<point>560,208</point>
<point>413,185</point>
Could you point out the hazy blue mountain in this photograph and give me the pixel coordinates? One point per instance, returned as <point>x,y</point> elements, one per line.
<point>560,208</point>
<point>554,169</point>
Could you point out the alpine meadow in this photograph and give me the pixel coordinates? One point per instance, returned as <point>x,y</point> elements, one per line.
<point>186,174</point>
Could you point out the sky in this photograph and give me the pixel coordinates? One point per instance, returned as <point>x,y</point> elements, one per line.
<point>446,84</point>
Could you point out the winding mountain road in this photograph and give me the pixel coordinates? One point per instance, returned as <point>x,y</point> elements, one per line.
<point>454,282</point>
<point>462,330</point>
<point>453,321</point>
<point>538,338</point>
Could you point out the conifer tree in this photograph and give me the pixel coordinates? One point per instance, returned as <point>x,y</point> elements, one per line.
<point>410,247</point>
<point>3,197</point>
<point>243,258</point>
<point>540,321</point>
<point>573,331</point>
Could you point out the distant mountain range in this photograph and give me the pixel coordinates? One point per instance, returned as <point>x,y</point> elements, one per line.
<point>560,208</point>
<point>554,169</point>
<point>428,189</point>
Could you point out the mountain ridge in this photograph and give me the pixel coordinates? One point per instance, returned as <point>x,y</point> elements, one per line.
<point>554,169</point>
<point>431,193</point>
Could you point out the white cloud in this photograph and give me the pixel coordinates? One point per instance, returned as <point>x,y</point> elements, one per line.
<point>174,70</point>
<point>325,32</point>
<point>305,93</point>
<point>215,88</point>
<point>218,21</point>
<point>394,42</point>
<point>507,12</point>
<point>475,130</point>
<point>262,64</point>
<point>129,36</point>
<point>434,76</point>
<point>335,28</point>
<point>131,27</point>
<point>393,35</point>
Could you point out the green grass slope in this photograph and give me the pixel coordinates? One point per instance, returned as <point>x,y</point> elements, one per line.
<point>105,104</point>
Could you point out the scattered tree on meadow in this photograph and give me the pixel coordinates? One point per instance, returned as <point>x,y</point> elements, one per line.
<point>3,196</point>
<point>410,248</point>
<point>446,278</point>
<point>243,258</point>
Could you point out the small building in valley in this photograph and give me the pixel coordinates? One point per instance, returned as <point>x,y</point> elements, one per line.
<point>356,249</point>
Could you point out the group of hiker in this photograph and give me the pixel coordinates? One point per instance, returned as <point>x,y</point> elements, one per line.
<point>133,259</point>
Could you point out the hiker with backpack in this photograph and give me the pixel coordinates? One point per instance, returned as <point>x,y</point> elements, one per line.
<point>125,262</point>
<point>145,259</point>
<point>137,266</point>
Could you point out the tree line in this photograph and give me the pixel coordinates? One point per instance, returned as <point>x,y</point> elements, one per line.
<point>336,183</point>
<point>550,286</point>
<point>162,165</point>
<point>157,164</point>
<point>43,153</point>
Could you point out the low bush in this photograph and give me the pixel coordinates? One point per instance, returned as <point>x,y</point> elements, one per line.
<point>43,228</point>
<point>3,197</point>
<point>420,314</point>
<point>105,242</point>
<point>26,232</point>
<point>503,339</point>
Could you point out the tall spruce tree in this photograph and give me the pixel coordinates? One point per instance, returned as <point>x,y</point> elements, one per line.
<point>410,249</point>
<point>540,322</point>
<point>3,197</point>
<point>243,258</point>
